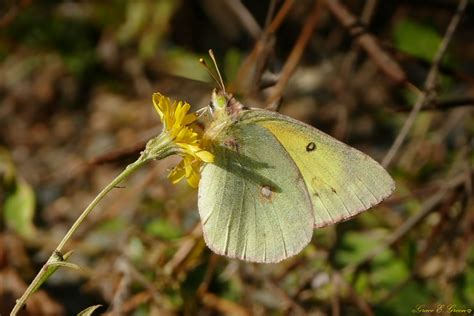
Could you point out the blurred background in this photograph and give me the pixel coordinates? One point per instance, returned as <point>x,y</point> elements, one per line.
<point>76,79</point>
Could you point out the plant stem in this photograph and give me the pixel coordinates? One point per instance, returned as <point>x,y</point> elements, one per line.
<point>157,148</point>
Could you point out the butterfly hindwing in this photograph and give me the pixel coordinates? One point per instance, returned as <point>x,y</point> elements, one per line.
<point>341,180</point>
<point>253,201</point>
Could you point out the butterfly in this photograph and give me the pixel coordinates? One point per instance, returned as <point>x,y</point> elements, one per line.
<point>275,179</point>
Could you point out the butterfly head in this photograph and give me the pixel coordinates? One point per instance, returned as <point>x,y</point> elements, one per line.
<point>219,101</point>
<point>223,105</point>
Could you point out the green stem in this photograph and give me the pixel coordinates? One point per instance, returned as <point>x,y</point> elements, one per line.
<point>157,148</point>
<point>122,176</point>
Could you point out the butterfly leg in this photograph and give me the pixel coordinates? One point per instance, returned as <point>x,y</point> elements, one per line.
<point>204,111</point>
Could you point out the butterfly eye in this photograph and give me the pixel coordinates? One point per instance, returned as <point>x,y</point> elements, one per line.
<point>211,107</point>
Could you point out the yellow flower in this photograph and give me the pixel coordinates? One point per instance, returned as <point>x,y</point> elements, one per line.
<point>175,118</point>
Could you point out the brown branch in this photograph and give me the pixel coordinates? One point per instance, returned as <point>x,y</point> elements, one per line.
<point>438,238</point>
<point>367,42</point>
<point>149,286</point>
<point>437,105</point>
<point>290,305</point>
<point>270,13</point>
<point>252,68</point>
<point>430,84</point>
<point>368,11</point>
<point>186,247</point>
<point>245,18</point>
<point>281,15</point>
<point>295,55</point>
<point>223,306</point>
<point>428,206</point>
<point>211,267</point>
<point>353,54</point>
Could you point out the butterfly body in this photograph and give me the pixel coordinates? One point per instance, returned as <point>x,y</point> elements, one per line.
<point>275,179</point>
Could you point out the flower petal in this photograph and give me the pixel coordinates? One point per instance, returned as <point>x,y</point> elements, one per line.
<point>205,156</point>
<point>157,103</point>
<point>193,180</point>
<point>186,135</point>
<point>190,118</point>
<point>177,173</point>
<point>181,111</point>
<point>176,120</point>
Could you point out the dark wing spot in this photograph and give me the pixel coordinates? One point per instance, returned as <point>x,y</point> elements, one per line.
<point>310,147</point>
<point>333,190</point>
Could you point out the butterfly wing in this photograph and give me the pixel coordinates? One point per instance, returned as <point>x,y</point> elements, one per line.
<point>341,180</point>
<point>253,201</point>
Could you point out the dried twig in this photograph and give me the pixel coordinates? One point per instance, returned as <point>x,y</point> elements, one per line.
<point>122,290</point>
<point>352,55</point>
<point>245,18</point>
<point>281,15</point>
<point>223,306</point>
<point>150,287</point>
<point>429,205</point>
<point>290,305</point>
<point>368,11</point>
<point>185,249</point>
<point>270,13</point>
<point>430,84</point>
<point>295,55</point>
<point>252,67</point>
<point>367,41</point>
<point>134,302</point>
<point>437,238</point>
<point>211,266</point>
<point>437,105</point>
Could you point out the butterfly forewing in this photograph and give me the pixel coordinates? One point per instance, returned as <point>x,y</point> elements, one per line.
<point>253,201</point>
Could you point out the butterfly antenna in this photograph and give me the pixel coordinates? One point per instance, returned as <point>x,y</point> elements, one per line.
<point>213,76</point>
<point>211,53</point>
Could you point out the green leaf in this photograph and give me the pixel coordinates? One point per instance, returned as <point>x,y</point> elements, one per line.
<point>466,287</point>
<point>183,64</point>
<point>89,310</point>
<point>389,271</point>
<point>406,301</point>
<point>355,246</point>
<point>19,209</point>
<point>232,63</point>
<point>362,283</point>
<point>417,39</point>
<point>135,249</point>
<point>162,229</point>
<point>112,225</point>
